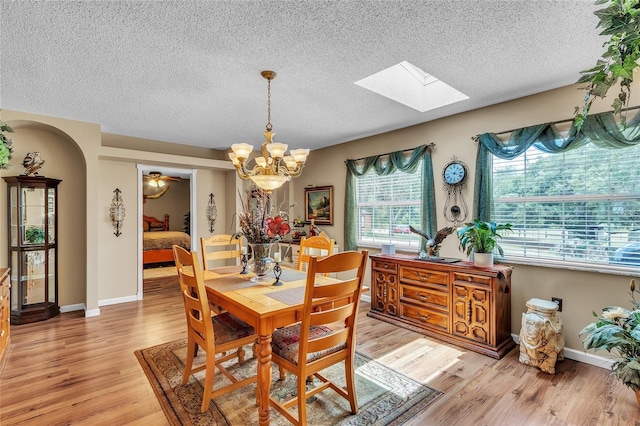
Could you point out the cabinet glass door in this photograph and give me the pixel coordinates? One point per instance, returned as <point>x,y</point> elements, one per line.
<point>33,215</point>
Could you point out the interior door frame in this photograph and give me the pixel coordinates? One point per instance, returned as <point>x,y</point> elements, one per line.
<point>185,173</point>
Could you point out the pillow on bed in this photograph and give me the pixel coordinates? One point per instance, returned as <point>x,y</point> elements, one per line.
<point>145,226</point>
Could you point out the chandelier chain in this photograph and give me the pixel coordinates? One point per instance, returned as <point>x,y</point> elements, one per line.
<point>269,125</point>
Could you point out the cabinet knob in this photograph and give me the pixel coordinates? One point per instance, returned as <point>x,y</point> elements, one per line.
<point>424,297</point>
<point>2,333</point>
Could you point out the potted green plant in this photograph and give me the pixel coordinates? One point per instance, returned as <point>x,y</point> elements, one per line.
<point>34,235</point>
<point>620,21</point>
<point>480,238</point>
<point>618,331</point>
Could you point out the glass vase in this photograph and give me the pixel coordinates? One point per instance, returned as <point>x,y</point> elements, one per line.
<point>261,262</point>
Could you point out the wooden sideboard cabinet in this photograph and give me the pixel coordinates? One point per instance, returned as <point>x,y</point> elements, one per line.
<point>455,302</point>
<point>5,312</point>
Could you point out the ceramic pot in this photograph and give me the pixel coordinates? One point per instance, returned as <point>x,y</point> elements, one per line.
<point>483,260</point>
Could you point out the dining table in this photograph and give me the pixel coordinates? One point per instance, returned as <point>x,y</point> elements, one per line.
<point>265,307</point>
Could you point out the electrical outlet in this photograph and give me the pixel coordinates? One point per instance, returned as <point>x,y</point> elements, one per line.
<point>558,302</point>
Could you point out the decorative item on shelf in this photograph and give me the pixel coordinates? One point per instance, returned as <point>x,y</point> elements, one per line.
<point>298,232</point>
<point>277,269</point>
<point>6,145</point>
<point>243,260</point>
<point>32,163</point>
<point>618,331</point>
<point>433,244</point>
<point>261,231</point>
<point>480,238</point>
<point>619,21</point>
<point>212,212</point>
<point>273,168</point>
<point>117,212</point>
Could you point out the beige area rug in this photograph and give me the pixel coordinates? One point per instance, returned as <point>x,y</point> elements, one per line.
<point>385,397</point>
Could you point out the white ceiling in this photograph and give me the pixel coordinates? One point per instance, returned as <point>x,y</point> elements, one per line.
<point>188,72</point>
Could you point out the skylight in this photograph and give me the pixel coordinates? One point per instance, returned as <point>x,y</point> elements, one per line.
<point>409,85</point>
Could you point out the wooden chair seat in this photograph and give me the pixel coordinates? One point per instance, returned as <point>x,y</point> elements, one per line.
<point>285,343</point>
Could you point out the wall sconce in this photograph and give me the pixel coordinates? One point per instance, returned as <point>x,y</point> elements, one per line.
<point>212,213</point>
<point>117,212</point>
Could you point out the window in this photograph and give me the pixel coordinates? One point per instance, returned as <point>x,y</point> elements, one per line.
<point>579,207</point>
<point>386,206</point>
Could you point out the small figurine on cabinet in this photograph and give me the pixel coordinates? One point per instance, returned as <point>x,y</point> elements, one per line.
<point>433,244</point>
<point>32,163</point>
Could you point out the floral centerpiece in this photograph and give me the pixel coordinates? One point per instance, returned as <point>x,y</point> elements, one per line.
<point>618,331</point>
<point>261,230</point>
<point>255,224</point>
<point>6,146</point>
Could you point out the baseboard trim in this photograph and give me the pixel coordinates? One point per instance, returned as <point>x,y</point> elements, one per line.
<point>117,300</point>
<point>580,356</point>
<point>72,308</point>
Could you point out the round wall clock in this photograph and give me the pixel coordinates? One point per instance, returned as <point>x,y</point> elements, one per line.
<point>455,176</point>
<point>454,173</point>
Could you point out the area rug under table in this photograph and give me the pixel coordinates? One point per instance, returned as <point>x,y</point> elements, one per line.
<point>385,397</point>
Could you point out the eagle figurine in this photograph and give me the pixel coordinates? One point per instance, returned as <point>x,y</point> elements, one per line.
<point>32,163</point>
<point>433,244</point>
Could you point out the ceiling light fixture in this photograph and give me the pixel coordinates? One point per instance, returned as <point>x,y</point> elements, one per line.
<point>273,168</point>
<point>155,181</point>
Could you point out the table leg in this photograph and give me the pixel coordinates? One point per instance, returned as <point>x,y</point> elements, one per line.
<point>264,378</point>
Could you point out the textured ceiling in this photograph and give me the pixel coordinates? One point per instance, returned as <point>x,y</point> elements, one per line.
<point>189,72</point>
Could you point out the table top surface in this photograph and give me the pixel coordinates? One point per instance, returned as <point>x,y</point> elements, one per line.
<point>262,298</point>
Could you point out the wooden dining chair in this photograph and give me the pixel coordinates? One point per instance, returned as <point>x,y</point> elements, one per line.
<point>219,247</point>
<point>314,246</point>
<point>322,338</point>
<point>222,334</point>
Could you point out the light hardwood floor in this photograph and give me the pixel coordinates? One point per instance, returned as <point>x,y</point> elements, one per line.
<point>72,370</point>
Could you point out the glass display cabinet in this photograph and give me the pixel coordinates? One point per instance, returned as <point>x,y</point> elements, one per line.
<point>33,229</point>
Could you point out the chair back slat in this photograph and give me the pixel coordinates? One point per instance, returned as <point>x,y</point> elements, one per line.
<point>219,247</point>
<point>328,341</point>
<point>332,315</point>
<point>314,246</point>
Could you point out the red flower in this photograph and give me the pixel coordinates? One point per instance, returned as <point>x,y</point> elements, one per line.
<point>276,226</point>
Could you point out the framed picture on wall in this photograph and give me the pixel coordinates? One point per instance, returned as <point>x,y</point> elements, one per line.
<point>318,205</point>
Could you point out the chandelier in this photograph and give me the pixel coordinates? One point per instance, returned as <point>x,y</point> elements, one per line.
<point>273,168</point>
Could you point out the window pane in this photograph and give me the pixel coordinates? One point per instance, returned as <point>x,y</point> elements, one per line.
<point>580,206</point>
<point>387,205</point>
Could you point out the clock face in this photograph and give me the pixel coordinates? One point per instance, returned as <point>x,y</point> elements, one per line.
<point>454,173</point>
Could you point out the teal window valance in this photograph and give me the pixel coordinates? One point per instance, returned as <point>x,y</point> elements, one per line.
<point>599,129</point>
<point>383,165</point>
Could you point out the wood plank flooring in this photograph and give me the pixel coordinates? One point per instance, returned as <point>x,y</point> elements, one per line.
<point>72,370</point>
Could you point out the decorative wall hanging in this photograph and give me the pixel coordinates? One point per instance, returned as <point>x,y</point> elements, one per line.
<point>6,146</point>
<point>212,213</point>
<point>117,212</point>
<point>318,205</point>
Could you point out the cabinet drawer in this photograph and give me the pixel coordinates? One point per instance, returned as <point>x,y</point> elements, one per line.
<point>472,278</point>
<point>414,275</point>
<point>425,316</point>
<point>425,296</point>
<point>384,265</point>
